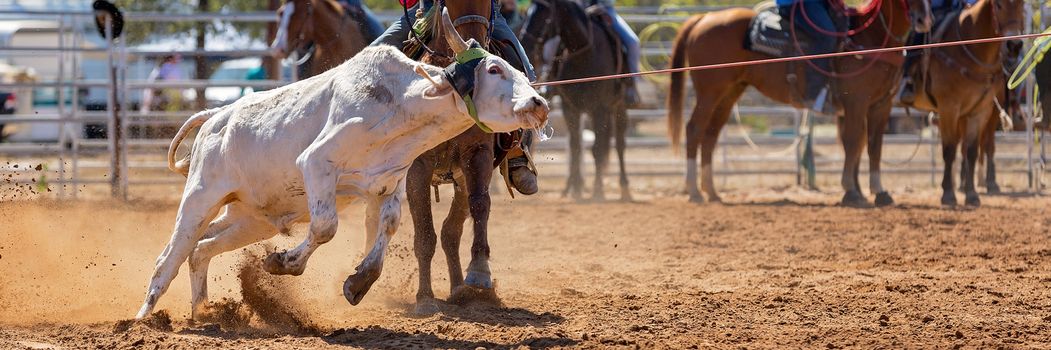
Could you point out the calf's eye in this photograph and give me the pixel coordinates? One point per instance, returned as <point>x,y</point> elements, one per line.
<point>494,70</point>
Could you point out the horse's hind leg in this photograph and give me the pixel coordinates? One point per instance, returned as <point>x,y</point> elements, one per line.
<point>950,140</point>
<point>970,147</point>
<point>709,139</point>
<point>621,130</point>
<point>699,119</point>
<point>237,228</point>
<point>853,135</point>
<point>575,181</point>
<point>988,151</point>
<point>878,117</point>
<point>602,122</point>
<point>417,189</point>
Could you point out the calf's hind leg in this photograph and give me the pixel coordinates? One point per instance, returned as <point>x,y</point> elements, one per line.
<point>199,205</point>
<point>237,228</point>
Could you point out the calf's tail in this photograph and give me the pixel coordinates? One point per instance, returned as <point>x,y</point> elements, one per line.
<point>182,166</point>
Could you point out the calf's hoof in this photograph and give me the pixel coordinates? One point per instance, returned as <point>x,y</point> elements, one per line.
<point>358,284</point>
<point>883,199</point>
<point>277,264</point>
<point>854,199</point>
<point>478,280</point>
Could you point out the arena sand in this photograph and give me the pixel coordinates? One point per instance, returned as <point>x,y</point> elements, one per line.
<point>770,268</point>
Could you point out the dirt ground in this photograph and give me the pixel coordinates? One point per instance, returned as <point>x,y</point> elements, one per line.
<point>769,268</point>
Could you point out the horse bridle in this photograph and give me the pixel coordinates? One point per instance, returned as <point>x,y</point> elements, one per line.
<point>465,19</point>
<point>550,25</point>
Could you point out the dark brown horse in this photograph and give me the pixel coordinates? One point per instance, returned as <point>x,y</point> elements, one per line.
<point>586,50</point>
<point>962,83</point>
<point>865,97</point>
<point>326,30</point>
<point>467,161</point>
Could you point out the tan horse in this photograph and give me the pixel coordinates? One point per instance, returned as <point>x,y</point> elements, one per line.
<point>327,24</point>
<point>718,37</point>
<point>961,84</point>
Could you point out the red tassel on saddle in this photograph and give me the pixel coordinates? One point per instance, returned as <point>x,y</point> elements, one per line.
<point>408,3</point>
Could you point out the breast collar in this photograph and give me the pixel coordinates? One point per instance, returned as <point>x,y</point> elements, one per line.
<point>461,75</point>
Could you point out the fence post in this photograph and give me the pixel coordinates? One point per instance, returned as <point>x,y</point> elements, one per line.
<point>114,128</point>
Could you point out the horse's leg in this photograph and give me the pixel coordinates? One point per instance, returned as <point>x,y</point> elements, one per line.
<point>417,189</point>
<point>878,117</point>
<point>237,228</point>
<point>386,218</point>
<point>947,127</point>
<point>709,138</point>
<point>621,130</point>
<point>575,182</point>
<point>601,118</point>
<point>702,113</point>
<point>452,231</point>
<point>971,138</point>
<point>988,148</point>
<point>852,133</point>
<point>479,173</point>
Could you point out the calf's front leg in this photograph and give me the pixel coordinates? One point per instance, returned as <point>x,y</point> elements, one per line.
<point>319,180</point>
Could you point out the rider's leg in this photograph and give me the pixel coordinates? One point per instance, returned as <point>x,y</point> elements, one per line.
<point>522,177</point>
<point>374,25</point>
<point>503,32</point>
<point>631,44</point>
<point>817,82</point>
<point>398,32</point>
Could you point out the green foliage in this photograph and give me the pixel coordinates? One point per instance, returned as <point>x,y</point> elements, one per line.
<point>138,32</point>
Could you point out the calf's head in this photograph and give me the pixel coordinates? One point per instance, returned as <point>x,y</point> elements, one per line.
<point>498,97</point>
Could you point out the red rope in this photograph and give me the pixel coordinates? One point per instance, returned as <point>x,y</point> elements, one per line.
<point>859,71</point>
<point>872,19</point>
<point>795,58</point>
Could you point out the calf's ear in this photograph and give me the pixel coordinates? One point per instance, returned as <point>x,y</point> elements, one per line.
<point>441,86</point>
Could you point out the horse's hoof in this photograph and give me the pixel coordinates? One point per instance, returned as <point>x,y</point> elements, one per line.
<point>883,199</point>
<point>426,307</point>
<point>949,199</point>
<point>357,285</point>
<point>478,280</point>
<point>854,199</point>
<point>277,264</point>
<point>972,201</point>
<point>696,198</point>
<point>625,196</point>
<point>992,188</point>
<point>713,198</point>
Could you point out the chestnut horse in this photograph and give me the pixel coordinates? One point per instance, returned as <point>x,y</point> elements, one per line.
<point>961,84</point>
<point>469,159</point>
<point>336,33</point>
<point>863,88</point>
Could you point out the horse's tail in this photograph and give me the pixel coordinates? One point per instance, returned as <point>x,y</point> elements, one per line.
<point>183,165</point>
<point>675,96</point>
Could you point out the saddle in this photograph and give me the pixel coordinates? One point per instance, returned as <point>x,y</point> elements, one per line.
<point>598,15</point>
<point>920,73</point>
<point>770,33</point>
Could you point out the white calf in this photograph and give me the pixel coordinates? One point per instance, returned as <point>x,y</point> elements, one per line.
<point>303,151</point>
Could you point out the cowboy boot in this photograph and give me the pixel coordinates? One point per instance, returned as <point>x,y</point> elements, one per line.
<point>631,95</point>
<point>522,177</point>
<point>908,92</point>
